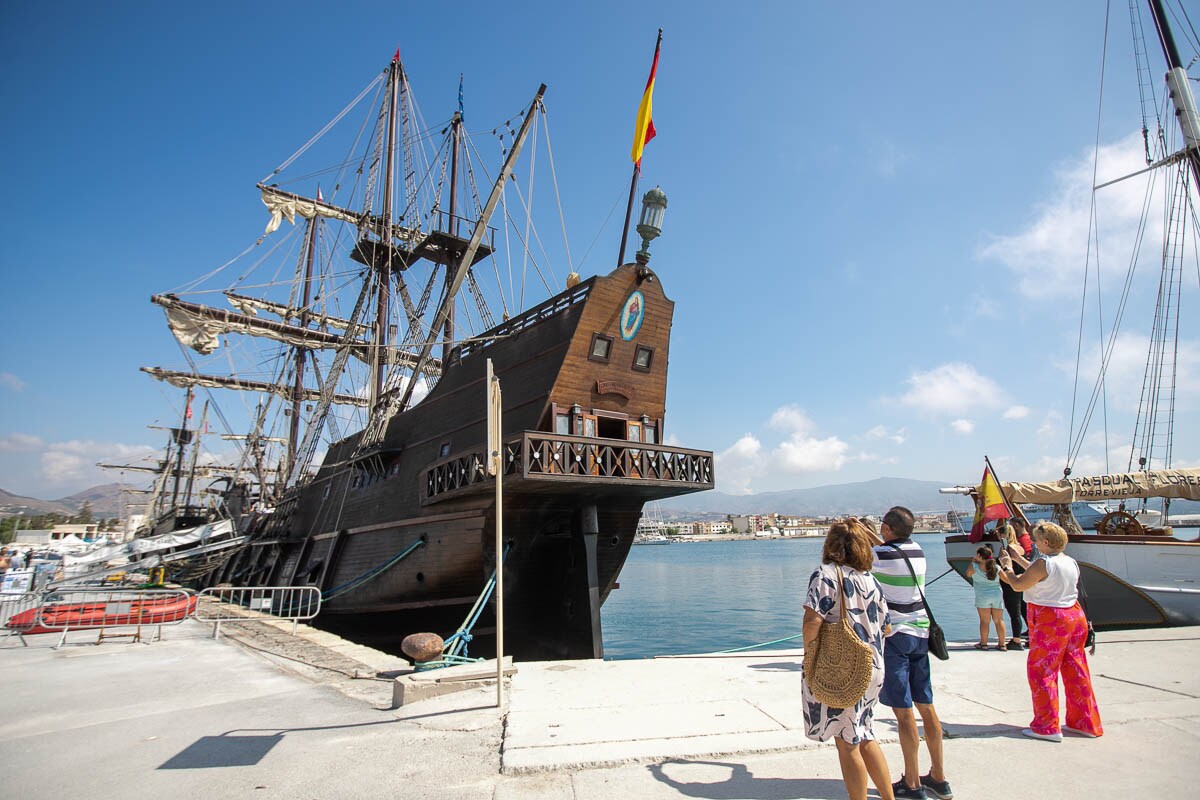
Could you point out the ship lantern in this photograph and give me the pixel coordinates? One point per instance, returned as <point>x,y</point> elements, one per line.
<point>649,227</point>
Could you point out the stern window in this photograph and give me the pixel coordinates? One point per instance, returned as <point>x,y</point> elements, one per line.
<point>642,358</point>
<point>601,347</point>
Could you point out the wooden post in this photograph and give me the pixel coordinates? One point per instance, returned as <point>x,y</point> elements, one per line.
<point>495,465</point>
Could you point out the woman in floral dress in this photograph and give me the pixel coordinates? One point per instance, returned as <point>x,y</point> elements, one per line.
<point>848,550</point>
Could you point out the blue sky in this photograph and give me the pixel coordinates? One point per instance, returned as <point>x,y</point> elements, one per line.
<point>875,238</point>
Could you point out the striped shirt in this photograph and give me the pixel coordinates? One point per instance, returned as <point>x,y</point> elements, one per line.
<point>906,612</point>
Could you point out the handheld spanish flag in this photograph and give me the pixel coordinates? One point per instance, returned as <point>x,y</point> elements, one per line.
<point>989,503</point>
<point>644,130</point>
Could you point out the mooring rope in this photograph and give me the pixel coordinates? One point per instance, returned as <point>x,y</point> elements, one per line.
<point>797,636</point>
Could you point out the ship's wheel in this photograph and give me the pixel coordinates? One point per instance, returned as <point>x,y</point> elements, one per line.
<point>1120,523</point>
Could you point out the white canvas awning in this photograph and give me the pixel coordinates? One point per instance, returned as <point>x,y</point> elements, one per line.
<point>1173,483</point>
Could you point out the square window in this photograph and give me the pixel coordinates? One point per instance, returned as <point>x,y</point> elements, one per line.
<point>643,357</point>
<point>444,450</point>
<point>601,347</point>
<point>562,423</point>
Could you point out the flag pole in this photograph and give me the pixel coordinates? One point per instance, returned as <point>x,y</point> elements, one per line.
<point>637,169</point>
<point>1000,486</point>
<point>643,133</point>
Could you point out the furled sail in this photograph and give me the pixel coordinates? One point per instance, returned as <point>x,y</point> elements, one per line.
<point>199,327</point>
<point>1173,483</point>
<point>186,379</point>
<point>252,305</point>
<point>285,204</point>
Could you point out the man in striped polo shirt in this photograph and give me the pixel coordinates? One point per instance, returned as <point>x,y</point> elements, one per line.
<point>906,680</point>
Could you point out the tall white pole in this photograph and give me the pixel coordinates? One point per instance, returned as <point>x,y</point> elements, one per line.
<point>496,467</point>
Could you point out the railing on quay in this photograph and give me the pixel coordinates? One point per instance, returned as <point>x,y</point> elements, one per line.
<point>226,604</point>
<point>71,609</point>
<point>22,606</point>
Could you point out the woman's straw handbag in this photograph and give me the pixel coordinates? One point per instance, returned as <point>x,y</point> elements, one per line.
<point>838,668</point>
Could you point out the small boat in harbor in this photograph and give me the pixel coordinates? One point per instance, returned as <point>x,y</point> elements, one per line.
<point>58,617</point>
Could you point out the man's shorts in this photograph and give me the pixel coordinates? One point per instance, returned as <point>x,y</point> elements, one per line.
<point>905,672</point>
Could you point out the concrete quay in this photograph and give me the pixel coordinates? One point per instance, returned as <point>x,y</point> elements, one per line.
<point>254,714</point>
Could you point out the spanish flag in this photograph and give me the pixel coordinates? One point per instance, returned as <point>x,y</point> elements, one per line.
<point>989,503</point>
<point>644,131</point>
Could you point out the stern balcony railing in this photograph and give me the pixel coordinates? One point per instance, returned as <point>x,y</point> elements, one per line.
<point>535,455</point>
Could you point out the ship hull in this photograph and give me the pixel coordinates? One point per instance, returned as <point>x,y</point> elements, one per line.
<point>1131,581</point>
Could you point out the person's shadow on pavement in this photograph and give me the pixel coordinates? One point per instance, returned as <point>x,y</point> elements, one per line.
<point>742,785</point>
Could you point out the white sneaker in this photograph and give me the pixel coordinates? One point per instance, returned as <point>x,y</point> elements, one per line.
<point>1078,732</point>
<point>1049,737</point>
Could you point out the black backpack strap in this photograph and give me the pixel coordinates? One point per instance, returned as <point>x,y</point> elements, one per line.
<point>913,572</point>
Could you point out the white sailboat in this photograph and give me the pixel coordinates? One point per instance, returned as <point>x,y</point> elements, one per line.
<point>1137,573</point>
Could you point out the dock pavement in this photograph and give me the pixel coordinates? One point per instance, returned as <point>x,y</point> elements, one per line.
<point>264,714</point>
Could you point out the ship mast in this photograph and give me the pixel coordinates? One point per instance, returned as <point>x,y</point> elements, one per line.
<point>181,436</point>
<point>379,366</point>
<point>452,228</point>
<point>301,353</point>
<point>1181,91</point>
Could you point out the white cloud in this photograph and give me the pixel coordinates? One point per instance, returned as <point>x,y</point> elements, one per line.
<point>74,462</point>
<point>1048,255</point>
<point>10,381</point>
<point>1050,425</point>
<point>738,464</point>
<point>801,451</point>
<point>807,454</point>
<point>963,426</point>
<point>747,459</point>
<point>791,418</point>
<point>1016,412</point>
<point>20,443</point>
<point>897,436</point>
<point>1127,365</point>
<point>953,388</point>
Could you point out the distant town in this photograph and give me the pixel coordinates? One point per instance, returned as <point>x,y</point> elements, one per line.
<point>769,526</point>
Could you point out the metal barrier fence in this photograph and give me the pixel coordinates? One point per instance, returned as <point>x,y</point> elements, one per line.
<point>250,603</point>
<point>71,609</point>
<point>22,607</point>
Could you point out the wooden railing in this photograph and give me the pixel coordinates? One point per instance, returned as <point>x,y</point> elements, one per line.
<point>535,455</point>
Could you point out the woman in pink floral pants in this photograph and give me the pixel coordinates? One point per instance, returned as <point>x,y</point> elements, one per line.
<point>1057,631</point>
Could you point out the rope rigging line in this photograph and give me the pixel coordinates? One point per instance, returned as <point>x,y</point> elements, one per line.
<point>1107,351</point>
<point>554,182</point>
<point>620,195</point>
<point>324,130</point>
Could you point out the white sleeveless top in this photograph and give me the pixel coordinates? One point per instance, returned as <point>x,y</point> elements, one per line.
<point>1058,589</point>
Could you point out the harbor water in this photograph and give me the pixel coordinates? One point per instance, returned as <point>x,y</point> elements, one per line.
<point>705,597</point>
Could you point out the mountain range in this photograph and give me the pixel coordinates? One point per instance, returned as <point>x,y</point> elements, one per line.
<point>868,497</point>
<point>105,502</point>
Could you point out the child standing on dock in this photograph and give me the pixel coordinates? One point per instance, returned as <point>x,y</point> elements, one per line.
<point>989,599</point>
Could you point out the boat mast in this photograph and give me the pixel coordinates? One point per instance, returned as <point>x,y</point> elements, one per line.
<point>191,481</point>
<point>467,257</point>
<point>181,436</point>
<point>1181,91</point>
<point>452,228</point>
<point>385,269</point>
<point>298,384</point>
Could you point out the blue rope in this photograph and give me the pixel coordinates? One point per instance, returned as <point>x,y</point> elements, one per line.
<point>764,644</point>
<point>370,574</point>
<point>454,649</point>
